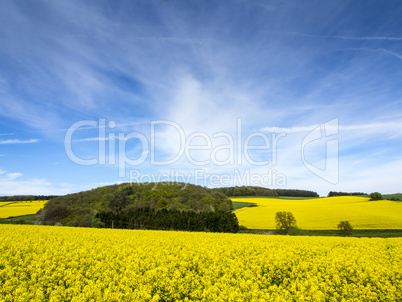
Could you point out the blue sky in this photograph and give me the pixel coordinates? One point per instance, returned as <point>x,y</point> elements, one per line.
<point>211,67</point>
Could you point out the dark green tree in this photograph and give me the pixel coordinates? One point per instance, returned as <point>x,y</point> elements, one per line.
<point>345,227</point>
<point>375,196</point>
<point>285,221</point>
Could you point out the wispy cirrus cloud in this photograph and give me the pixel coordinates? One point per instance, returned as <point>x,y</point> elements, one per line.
<point>358,38</point>
<point>380,50</point>
<point>19,141</point>
<point>279,67</point>
<point>379,127</point>
<point>9,176</point>
<point>91,139</point>
<point>370,38</point>
<point>99,139</point>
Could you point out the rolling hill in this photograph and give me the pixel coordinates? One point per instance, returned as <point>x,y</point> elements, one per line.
<point>80,209</point>
<point>323,213</point>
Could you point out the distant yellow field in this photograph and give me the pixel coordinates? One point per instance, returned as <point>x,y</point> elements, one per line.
<point>323,213</point>
<point>19,208</point>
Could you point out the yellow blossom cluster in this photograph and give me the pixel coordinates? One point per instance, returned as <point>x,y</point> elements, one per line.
<point>48,263</point>
<point>20,208</point>
<point>323,213</point>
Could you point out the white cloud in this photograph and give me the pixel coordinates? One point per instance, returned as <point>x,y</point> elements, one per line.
<point>13,183</point>
<point>202,71</point>
<point>368,38</point>
<point>381,50</point>
<point>10,176</point>
<point>91,139</point>
<point>377,127</point>
<point>367,177</point>
<point>19,141</point>
<point>99,139</point>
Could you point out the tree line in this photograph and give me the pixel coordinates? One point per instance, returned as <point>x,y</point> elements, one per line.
<point>261,191</point>
<point>26,197</point>
<point>148,218</point>
<point>246,191</point>
<point>332,194</point>
<point>296,193</point>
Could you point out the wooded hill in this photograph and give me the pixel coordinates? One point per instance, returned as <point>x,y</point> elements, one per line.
<point>80,209</point>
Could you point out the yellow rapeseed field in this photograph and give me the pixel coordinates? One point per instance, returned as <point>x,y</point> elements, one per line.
<point>47,263</point>
<point>323,213</point>
<point>19,208</point>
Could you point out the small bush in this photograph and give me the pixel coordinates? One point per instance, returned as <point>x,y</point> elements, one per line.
<point>296,232</point>
<point>20,221</point>
<point>97,223</point>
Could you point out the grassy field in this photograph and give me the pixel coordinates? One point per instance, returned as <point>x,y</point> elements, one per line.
<point>295,198</point>
<point>277,197</point>
<point>239,205</point>
<point>47,263</point>
<point>323,213</point>
<point>388,196</point>
<point>24,219</point>
<point>20,208</point>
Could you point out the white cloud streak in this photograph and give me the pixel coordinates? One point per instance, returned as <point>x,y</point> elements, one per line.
<point>98,139</point>
<point>19,141</point>
<point>381,50</point>
<point>367,38</point>
<point>372,127</point>
<point>200,70</point>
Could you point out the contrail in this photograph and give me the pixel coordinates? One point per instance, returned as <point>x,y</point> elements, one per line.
<point>386,51</point>
<point>340,37</point>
